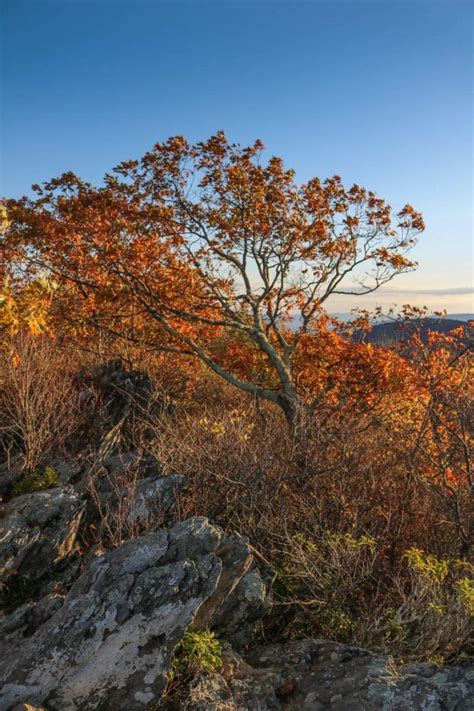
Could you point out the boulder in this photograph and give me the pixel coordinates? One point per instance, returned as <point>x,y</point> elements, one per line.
<point>38,530</point>
<point>111,643</point>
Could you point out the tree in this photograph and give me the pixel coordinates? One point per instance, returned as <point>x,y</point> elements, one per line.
<point>24,307</point>
<point>204,240</point>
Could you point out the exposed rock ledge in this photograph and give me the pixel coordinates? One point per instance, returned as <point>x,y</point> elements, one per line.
<point>312,675</point>
<point>109,644</point>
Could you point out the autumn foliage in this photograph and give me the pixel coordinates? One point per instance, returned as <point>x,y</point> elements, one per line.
<point>210,269</point>
<point>195,241</point>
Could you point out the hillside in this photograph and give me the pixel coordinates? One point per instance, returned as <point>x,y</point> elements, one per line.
<point>390,333</point>
<point>202,507</point>
<point>120,592</point>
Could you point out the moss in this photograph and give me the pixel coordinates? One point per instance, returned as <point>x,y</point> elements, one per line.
<point>197,651</point>
<point>35,481</point>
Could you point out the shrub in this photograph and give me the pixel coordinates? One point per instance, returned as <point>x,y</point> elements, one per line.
<point>322,579</point>
<point>35,481</point>
<point>434,619</point>
<point>38,402</point>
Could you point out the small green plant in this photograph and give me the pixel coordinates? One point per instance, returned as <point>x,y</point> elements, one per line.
<point>34,481</point>
<point>336,624</point>
<point>197,651</point>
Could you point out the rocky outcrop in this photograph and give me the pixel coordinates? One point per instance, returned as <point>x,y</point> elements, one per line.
<point>108,641</point>
<point>37,531</point>
<point>311,675</point>
<point>116,398</point>
<point>110,644</point>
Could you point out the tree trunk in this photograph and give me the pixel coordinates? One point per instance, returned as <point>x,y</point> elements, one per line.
<point>294,411</point>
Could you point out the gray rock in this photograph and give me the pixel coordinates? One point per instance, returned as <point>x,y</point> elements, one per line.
<point>27,618</point>
<point>38,530</point>
<point>154,497</point>
<point>111,643</point>
<point>148,465</point>
<point>69,471</point>
<point>312,675</point>
<point>136,507</point>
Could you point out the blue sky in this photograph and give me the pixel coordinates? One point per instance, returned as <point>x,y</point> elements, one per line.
<point>378,91</point>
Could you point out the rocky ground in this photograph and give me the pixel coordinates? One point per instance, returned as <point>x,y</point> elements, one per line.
<point>85,627</point>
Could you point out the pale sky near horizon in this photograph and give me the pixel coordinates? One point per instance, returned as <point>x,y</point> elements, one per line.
<point>377,91</point>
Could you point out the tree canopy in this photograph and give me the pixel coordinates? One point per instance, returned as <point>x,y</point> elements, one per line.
<point>193,241</point>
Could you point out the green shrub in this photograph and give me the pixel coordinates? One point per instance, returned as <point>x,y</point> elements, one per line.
<point>197,651</point>
<point>434,617</point>
<point>34,481</point>
<point>328,585</point>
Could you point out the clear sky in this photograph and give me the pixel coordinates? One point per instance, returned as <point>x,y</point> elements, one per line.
<point>377,91</point>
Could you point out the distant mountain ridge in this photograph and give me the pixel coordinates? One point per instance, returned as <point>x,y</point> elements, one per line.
<point>389,333</point>
<point>462,317</point>
<point>349,316</point>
